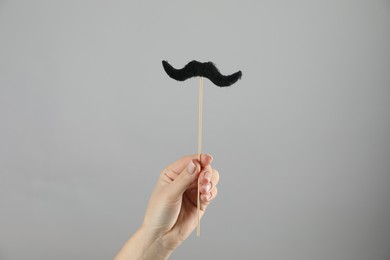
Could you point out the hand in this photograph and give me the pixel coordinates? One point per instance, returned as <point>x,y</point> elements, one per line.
<point>171,215</point>
<point>172,210</point>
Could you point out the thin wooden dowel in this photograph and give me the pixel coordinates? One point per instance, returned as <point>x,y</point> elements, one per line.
<point>200,117</point>
<point>199,149</point>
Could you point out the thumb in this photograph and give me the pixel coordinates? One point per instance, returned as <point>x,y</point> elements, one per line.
<point>184,180</point>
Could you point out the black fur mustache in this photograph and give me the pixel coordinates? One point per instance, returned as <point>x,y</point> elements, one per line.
<point>203,69</point>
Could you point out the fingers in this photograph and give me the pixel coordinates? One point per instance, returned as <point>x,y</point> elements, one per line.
<point>179,176</point>
<point>209,175</point>
<point>208,197</point>
<point>208,186</point>
<point>179,165</point>
<point>181,183</point>
<point>205,160</point>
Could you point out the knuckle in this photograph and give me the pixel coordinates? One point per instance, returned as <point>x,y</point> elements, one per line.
<point>215,176</point>
<point>214,193</point>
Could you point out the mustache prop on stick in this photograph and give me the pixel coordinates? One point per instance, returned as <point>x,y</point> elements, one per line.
<point>205,69</point>
<point>210,71</point>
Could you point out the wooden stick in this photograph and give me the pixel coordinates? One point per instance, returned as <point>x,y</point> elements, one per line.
<point>199,149</point>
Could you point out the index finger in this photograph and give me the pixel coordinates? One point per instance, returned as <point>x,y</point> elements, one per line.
<point>179,165</point>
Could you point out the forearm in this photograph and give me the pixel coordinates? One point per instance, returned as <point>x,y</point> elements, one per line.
<point>143,246</point>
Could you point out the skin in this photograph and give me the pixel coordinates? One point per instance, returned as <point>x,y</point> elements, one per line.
<point>171,215</point>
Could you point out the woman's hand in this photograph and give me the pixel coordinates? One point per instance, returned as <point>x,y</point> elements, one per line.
<point>171,215</point>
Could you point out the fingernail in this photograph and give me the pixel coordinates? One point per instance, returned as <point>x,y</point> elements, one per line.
<point>207,187</point>
<point>206,197</point>
<point>191,167</point>
<point>211,158</point>
<point>207,176</point>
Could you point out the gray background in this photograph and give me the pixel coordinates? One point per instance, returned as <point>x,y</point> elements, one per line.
<point>88,118</point>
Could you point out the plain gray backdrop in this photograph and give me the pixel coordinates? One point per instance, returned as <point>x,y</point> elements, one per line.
<point>88,119</point>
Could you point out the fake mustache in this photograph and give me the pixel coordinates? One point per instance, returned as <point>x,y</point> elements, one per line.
<point>202,69</point>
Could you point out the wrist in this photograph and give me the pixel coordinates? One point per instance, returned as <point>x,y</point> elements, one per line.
<point>144,245</point>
